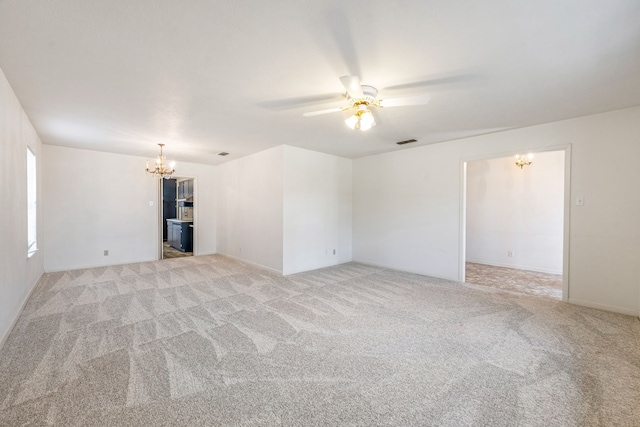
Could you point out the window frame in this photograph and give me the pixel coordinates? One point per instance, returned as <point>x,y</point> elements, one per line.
<point>32,202</point>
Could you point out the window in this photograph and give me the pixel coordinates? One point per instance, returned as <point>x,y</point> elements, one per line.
<point>32,240</point>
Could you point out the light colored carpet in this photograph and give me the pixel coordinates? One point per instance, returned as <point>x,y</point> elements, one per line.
<point>210,341</point>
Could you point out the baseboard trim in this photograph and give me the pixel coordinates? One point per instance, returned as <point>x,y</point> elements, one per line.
<point>254,264</point>
<point>390,267</point>
<point>17,316</point>
<point>605,307</point>
<point>289,273</point>
<point>58,270</point>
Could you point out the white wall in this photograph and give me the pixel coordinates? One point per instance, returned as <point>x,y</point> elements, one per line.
<point>517,210</point>
<point>250,208</point>
<point>286,209</point>
<point>18,274</point>
<point>317,210</point>
<point>97,201</point>
<point>407,204</point>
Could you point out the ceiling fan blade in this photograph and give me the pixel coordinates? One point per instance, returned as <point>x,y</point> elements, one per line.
<point>352,85</point>
<point>320,112</point>
<point>340,31</point>
<point>289,103</point>
<point>405,100</point>
<point>442,80</point>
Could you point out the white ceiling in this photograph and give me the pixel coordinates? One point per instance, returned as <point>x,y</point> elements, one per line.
<point>210,76</point>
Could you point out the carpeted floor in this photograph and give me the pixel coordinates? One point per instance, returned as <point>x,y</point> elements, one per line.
<point>210,341</point>
<point>515,280</point>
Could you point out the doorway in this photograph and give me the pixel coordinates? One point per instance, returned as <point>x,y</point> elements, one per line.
<point>177,217</point>
<point>514,226</point>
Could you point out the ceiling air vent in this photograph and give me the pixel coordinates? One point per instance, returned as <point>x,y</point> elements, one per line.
<point>222,153</point>
<point>408,141</point>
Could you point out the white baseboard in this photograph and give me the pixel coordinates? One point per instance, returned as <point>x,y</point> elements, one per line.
<point>17,316</point>
<point>605,307</point>
<point>391,267</point>
<point>318,267</point>
<point>82,267</point>
<point>273,270</point>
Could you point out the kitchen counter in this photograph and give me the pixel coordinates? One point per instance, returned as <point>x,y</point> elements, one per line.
<point>180,234</point>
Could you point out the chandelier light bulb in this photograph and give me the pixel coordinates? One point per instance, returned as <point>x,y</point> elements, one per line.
<point>161,169</point>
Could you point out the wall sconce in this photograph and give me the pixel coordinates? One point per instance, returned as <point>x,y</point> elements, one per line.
<point>522,161</point>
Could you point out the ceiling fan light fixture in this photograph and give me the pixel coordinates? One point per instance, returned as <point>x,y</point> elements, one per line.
<point>352,121</point>
<point>361,119</point>
<point>362,97</point>
<point>366,120</point>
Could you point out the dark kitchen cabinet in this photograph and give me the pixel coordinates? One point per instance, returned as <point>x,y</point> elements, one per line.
<point>172,237</point>
<point>168,204</point>
<point>180,236</point>
<point>169,189</point>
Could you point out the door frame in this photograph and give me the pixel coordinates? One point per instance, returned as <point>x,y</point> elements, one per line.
<point>195,214</point>
<point>462,244</point>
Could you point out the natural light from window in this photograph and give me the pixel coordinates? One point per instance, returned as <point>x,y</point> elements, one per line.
<point>32,241</point>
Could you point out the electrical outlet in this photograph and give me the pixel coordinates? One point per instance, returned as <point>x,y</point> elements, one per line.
<point>106,252</point>
<point>510,254</point>
<point>334,251</point>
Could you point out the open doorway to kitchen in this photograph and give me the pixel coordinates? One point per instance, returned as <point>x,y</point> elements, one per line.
<point>178,199</point>
<point>515,223</point>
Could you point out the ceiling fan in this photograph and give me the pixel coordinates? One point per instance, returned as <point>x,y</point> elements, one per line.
<point>361,98</point>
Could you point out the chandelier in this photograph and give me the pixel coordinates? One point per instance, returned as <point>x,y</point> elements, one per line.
<point>161,169</point>
<point>522,161</point>
<point>362,119</point>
